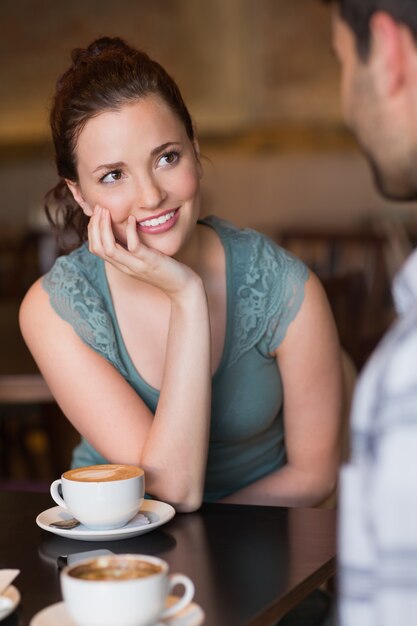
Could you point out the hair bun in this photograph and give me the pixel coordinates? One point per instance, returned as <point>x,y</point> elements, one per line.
<point>98,47</point>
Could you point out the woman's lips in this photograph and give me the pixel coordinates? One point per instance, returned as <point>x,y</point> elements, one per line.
<point>160,224</point>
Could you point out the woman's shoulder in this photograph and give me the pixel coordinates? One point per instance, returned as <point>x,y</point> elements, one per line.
<point>74,286</point>
<point>74,290</point>
<point>268,287</point>
<point>35,312</point>
<point>66,276</point>
<point>34,299</point>
<point>73,276</point>
<point>253,250</point>
<point>77,265</point>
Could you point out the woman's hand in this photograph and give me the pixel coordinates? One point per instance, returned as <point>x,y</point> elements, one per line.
<point>109,413</point>
<point>137,260</point>
<point>177,434</point>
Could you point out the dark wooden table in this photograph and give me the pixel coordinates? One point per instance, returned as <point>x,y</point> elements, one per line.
<point>250,564</point>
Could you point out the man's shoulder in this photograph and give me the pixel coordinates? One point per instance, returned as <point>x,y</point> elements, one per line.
<point>386,391</point>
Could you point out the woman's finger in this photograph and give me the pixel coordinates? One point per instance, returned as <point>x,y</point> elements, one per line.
<point>135,259</point>
<point>94,233</point>
<point>107,236</point>
<point>102,242</point>
<point>132,236</point>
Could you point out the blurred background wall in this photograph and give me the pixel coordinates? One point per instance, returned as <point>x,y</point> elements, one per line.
<point>260,81</point>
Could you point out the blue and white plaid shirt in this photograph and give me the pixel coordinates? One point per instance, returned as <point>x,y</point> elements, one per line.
<point>378,505</point>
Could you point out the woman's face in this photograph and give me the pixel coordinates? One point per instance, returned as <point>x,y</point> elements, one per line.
<point>139,161</point>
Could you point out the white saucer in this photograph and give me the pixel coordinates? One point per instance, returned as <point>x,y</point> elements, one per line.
<point>156,512</point>
<point>55,614</point>
<point>13,594</point>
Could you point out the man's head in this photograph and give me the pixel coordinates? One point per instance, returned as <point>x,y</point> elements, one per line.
<point>358,13</point>
<point>376,44</point>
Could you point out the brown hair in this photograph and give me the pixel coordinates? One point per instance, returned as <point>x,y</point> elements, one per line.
<point>103,77</point>
<point>357,14</point>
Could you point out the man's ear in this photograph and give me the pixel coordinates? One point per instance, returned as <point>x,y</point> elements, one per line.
<point>388,52</point>
<point>78,197</point>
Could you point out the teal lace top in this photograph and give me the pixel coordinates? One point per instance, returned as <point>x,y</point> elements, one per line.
<point>265,289</point>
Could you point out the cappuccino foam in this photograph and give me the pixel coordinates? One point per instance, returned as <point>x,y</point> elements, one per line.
<point>103,473</point>
<point>115,569</point>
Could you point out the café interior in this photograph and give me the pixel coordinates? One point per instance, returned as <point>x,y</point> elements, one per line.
<point>261,82</point>
<point>262,85</point>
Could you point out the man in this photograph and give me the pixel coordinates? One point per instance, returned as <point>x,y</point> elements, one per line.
<point>376,44</point>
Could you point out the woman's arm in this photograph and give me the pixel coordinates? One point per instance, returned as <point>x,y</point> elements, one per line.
<point>310,364</point>
<point>170,446</point>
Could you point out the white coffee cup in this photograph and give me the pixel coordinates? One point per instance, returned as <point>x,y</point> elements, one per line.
<point>101,497</point>
<point>125,589</point>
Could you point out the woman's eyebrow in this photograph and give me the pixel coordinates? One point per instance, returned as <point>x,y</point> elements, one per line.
<point>110,166</point>
<point>164,146</point>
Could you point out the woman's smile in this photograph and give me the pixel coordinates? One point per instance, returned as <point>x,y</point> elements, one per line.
<point>159,223</point>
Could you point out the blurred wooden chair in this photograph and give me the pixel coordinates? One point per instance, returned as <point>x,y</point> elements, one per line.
<point>347,295</point>
<point>350,376</point>
<point>352,266</point>
<point>399,244</point>
<point>33,430</point>
<point>24,389</point>
<point>25,401</point>
<point>35,437</point>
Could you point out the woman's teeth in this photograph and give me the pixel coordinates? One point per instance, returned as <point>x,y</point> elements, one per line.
<point>158,221</point>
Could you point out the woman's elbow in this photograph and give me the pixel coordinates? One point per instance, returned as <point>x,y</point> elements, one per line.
<point>188,506</point>
<point>326,489</point>
<point>187,495</point>
<point>184,496</point>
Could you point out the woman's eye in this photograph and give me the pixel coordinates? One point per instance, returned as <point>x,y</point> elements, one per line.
<point>112,177</point>
<point>169,158</point>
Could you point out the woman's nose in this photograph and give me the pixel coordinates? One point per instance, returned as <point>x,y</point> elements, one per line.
<point>150,194</point>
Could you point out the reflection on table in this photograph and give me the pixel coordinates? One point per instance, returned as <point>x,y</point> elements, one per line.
<point>250,564</point>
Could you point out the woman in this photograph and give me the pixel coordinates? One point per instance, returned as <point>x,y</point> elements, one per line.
<point>185,346</point>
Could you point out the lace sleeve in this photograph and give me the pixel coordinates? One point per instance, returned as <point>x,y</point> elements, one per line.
<point>269,293</point>
<point>292,275</point>
<point>73,296</point>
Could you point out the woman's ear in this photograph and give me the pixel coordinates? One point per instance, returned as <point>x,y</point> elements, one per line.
<point>78,197</point>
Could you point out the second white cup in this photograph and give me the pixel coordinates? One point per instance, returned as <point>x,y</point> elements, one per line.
<point>125,589</point>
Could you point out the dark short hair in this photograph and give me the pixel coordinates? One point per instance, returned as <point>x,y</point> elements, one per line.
<point>357,14</point>
<point>106,75</point>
